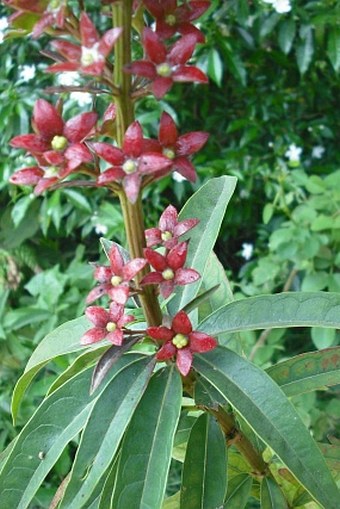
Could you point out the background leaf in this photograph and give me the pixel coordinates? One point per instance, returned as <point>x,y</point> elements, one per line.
<point>271,495</point>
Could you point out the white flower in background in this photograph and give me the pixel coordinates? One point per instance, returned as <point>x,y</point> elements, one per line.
<point>27,72</point>
<point>281,6</point>
<point>100,229</point>
<point>82,98</point>
<point>3,27</point>
<point>247,250</point>
<point>293,153</point>
<point>318,151</point>
<point>178,177</point>
<point>67,79</point>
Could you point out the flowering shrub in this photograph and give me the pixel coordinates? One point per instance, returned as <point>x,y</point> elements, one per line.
<point>157,339</point>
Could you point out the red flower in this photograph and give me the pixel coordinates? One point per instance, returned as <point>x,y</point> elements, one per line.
<point>170,229</point>
<point>58,142</point>
<point>169,269</point>
<point>171,19</point>
<point>108,324</point>
<point>51,12</point>
<point>42,177</point>
<point>181,342</point>
<point>177,148</point>
<point>114,280</point>
<point>164,68</point>
<point>88,58</point>
<point>131,162</point>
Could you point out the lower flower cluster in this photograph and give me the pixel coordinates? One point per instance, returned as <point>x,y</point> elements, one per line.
<point>117,281</point>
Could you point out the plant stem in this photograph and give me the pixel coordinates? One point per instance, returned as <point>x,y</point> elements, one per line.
<point>132,212</point>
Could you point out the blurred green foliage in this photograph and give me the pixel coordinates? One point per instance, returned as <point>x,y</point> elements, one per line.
<point>273,90</point>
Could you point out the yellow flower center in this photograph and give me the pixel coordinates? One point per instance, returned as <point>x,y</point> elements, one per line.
<point>51,171</point>
<point>130,166</point>
<point>59,142</point>
<point>180,341</point>
<point>116,280</point>
<point>111,326</point>
<point>168,274</point>
<point>170,19</point>
<point>166,236</point>
<point>169,153</point>
<point>164,70</point>
<point>90,55</point>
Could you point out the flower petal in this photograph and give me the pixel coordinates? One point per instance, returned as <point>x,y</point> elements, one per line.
<point>177,256</point>
<point>88,32</point>
<point>142,68</point>
<point>63,67</point>
<point>190,143</point>
<point>153,278</point>
<point>27,176</point>
<point>185,167</point>
<point>181,323</point>
<point>194,10</point>
<point>161,86</point>
<point>98,291</point>
<point>200,342</point>
<point>186,73</point>
<point>153,236</point>
<point>186,276</point>
<point>47,120</point>
<point>132,268</point>
<point>155,259</point>
<point>167,288</point>
<point>154,47</point>
<point>70,51</point>
<point>182,50</point>
<point>133,140</point>
<point>160,333</point>
<point>154,7</point>
<point>110,175</point>
<point>131,185</point>
<point>189,29</point>
<point>102,274</point>
<point>30,142</point>
<point>115,337</point>
<point>116,312</point>
<point>98,316</point>
<point>76,154</point>
<point>167,351</point>
<point>54,158</point>
<point>168,219</point>
<point>116,260</point>
<point>93,336</point>
<point>119,294</point>
<point>109,153</point>
<point>150,163</point>
<point>108,40</point>
<point>79,127</point>
<point>184,360</point>
<point>167,130</point>
<point>44,184</point>
<point>184,226</point>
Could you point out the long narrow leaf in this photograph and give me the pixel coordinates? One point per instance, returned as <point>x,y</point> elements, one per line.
<point>58,420</point>
<point>146,449</point>
<point>105,429</point>
<point>307,372</point>
<point>238,492</point>
<point>266,409</point>
<point>288,309</point>
<point>205,466</point>
<point>208,205</point>
<point>271,495</point>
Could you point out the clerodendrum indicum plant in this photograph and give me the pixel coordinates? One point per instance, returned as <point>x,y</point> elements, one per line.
<point>161,316</point>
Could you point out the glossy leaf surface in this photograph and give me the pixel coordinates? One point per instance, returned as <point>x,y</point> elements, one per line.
<point>208,205</point>
<point>146,449</point>
<point>266,409</point>
<point>205,466</point>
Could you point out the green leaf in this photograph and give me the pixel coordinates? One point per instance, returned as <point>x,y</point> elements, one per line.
<point>200,299</point>
<point>268,212</point>
<point>323,338</point>
<point>305,50</point>
<point>333,47</point>
<point>288,309</point>
<point>146,449</point>
<point>107,491</point>
<point>172,502</point>
<point>272,416</point>
<point>271,495</point>
<point>307,372</point>
<point>65,339</point>
<point>332,454</point>
<point>215,196</point>
<point>215,66</point>
<point>205,466</point>
<point>105,429</point>
<point>238,492</point>
<point>287,33</point>
<point>78,200</point>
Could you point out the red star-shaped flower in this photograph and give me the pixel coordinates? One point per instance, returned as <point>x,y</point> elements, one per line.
<point>177,148</point>
<point>58,142</point>
<point>169,269</point>
<point>131,162</point>
<point>108,324</point>
<point>114,280</point>
<point>181,342</point>
<point>163,67</point>
<point>42,177</point>
<point>52,13</point>
<point>171,19</point>
<point>169,230</point>
<point>90,57</point>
